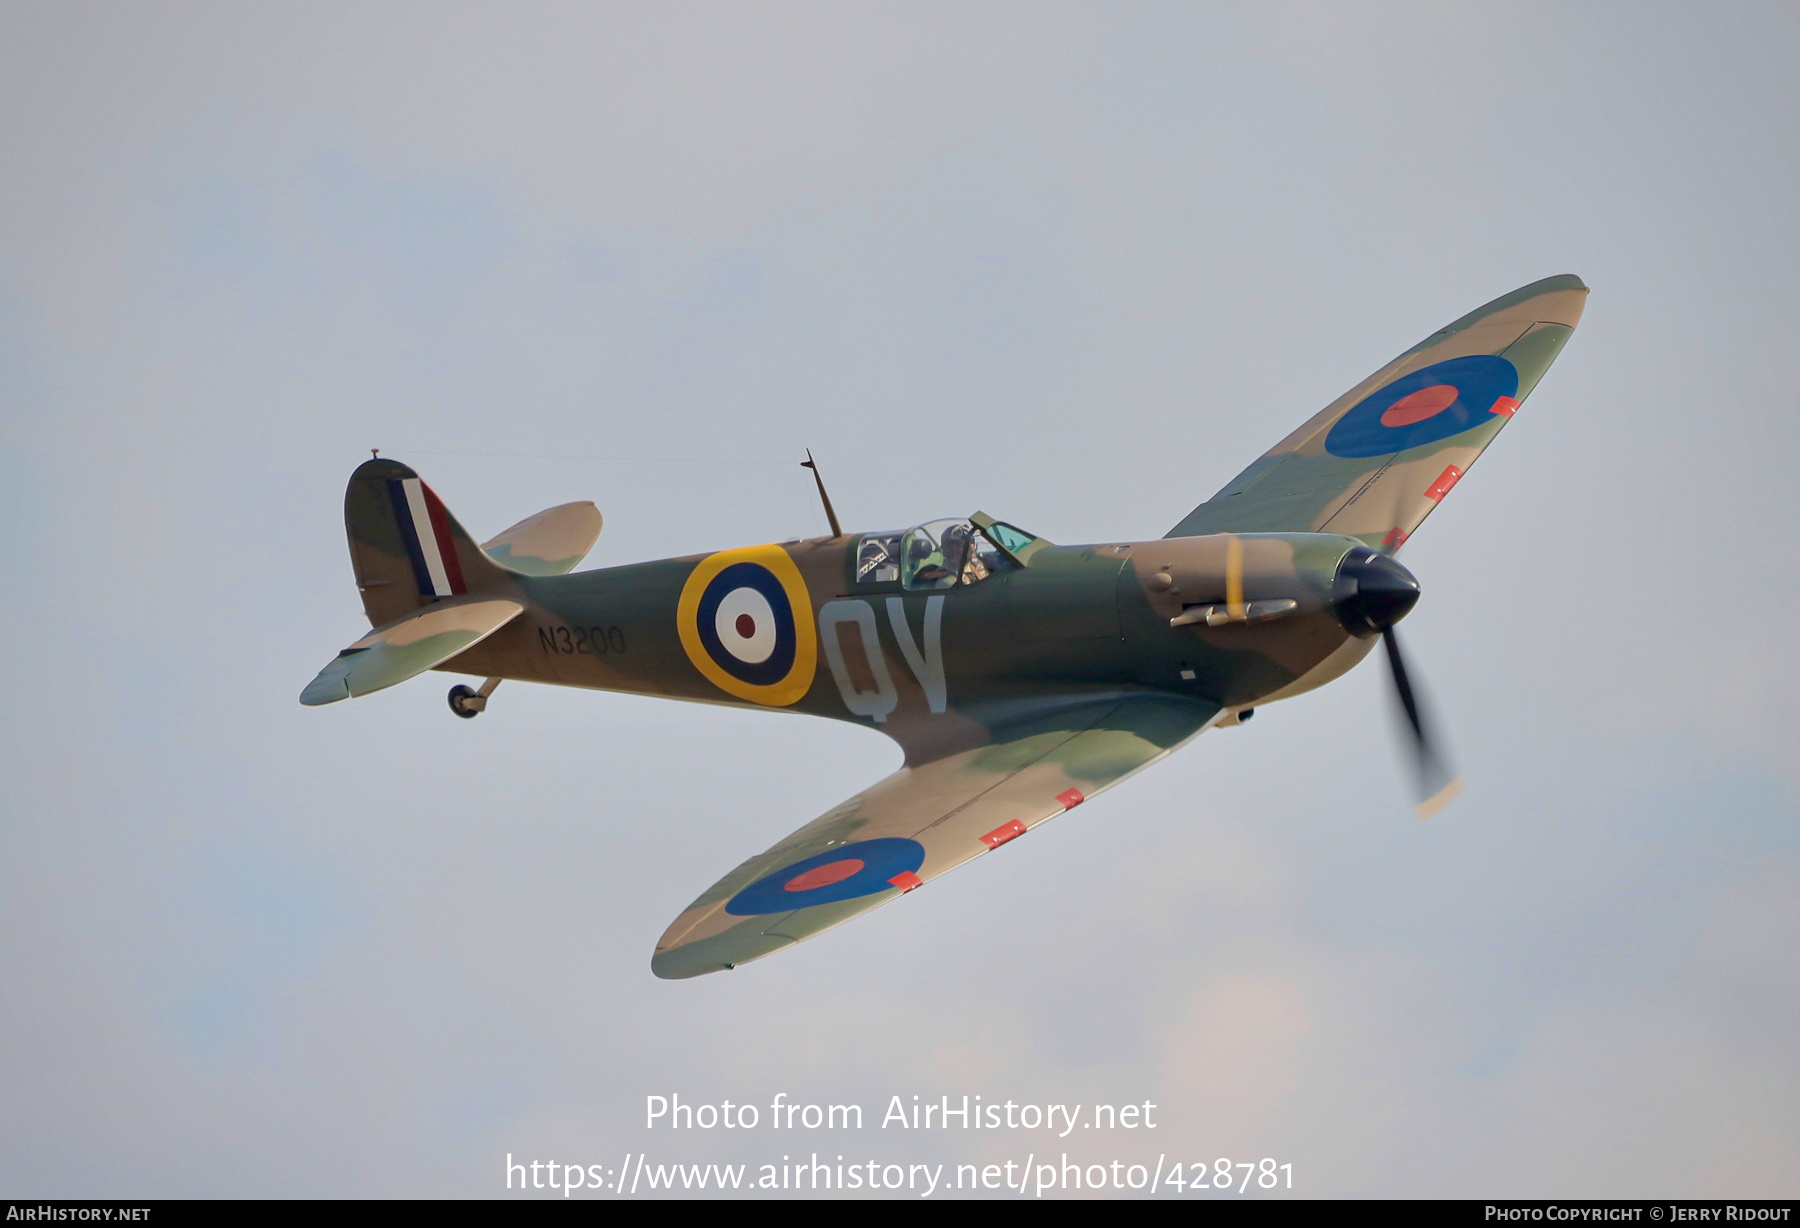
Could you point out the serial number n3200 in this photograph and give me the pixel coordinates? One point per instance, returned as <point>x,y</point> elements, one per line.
<point>592,641</point>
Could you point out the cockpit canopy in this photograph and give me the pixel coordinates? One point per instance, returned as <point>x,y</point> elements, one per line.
<point>936,555</point>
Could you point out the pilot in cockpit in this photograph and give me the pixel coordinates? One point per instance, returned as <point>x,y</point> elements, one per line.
<point>927,562</point>
<point>956,547</point>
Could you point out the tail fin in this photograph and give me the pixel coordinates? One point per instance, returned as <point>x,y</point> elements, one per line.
<point>407,550</point>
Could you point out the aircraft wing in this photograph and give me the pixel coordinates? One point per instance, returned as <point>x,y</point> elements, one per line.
<point>1376,461</point>
<point>923,821</point>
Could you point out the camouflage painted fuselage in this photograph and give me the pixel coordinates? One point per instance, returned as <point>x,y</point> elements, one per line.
<point>1077,621</point>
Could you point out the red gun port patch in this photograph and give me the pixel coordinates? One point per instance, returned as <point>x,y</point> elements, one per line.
<point>1506,407</point>
<point>1445,481</point>
<point>1070,798</point>
<point>1396,538</point>
<point>906,880</point>
<point>1001,834</point>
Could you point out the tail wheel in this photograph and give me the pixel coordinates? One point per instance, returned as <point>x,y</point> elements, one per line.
<point>465,702</point>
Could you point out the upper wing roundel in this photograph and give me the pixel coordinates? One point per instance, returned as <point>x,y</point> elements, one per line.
<point>746,623</point>
<point>1436,402</point>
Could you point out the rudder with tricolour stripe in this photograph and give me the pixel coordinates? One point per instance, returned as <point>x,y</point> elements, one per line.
<point>407,550</point>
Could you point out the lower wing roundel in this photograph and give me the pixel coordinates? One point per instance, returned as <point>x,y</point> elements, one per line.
<point>922,821</point>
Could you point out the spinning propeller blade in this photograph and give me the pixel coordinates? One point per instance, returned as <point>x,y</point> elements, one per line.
<point>1371,594</point>
<point>1438,786</point>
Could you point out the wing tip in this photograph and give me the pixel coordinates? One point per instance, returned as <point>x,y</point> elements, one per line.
<point>1561,281</point>
<point>718,953</point>
<point>668,971</point>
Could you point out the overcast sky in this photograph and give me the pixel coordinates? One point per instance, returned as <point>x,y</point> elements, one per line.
<point>1071,265</point>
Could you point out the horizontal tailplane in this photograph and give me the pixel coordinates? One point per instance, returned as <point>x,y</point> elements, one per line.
<point>551,543</point>
<point>407,647</point>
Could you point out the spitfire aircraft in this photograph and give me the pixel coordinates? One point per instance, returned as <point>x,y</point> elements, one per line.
<point>1020,677</point>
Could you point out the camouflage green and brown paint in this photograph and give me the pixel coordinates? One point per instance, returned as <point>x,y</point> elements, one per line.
<point>1019,676</point>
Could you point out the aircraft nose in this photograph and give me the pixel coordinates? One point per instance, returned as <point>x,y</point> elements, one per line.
<point>1372,592</point>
